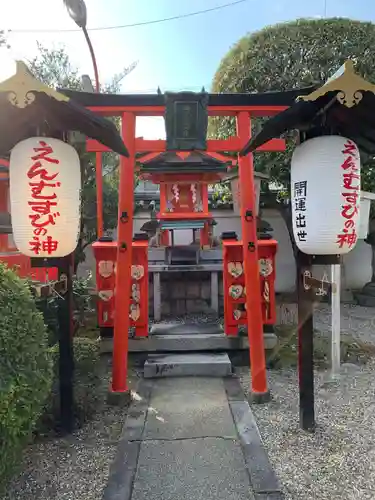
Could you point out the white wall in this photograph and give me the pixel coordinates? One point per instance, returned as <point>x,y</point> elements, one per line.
<point>356,269</point>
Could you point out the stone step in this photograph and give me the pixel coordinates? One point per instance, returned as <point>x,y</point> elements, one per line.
<point>189,343</point>
<point>187,365</point>
<point>186,329</point>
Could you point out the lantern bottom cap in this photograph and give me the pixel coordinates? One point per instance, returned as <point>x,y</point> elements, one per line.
<point>260,397</point>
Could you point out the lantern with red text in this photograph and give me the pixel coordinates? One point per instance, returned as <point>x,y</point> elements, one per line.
<point>325,195</point>
<point>45,184</point>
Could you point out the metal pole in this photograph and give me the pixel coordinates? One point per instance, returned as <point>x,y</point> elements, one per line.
<point>98,156</point>
<point>335,319</point>
<point>93,58</point>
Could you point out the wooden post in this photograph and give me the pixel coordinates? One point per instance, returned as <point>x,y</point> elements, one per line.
<point>124,258</point>
<point>4,188</point>
<point>259,389</point>
<point>66,356</point>
<point>99,194</point>
<point>335,320</point>
<point>64,289</point>
<point>305,344</point>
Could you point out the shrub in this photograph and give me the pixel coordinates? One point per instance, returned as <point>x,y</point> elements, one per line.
<point>25,368</point>
<point>84,309</point>
<point>87,379</point>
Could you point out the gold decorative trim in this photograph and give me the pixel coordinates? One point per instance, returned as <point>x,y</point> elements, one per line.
<point>347,83</point>
<point>21,87</point>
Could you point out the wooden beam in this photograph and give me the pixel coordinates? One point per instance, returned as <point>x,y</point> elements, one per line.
<point>212,110</point>
<point>213,145</point>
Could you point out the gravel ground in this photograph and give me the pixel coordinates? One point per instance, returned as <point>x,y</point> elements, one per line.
<point>355,320</point>
<point>338,461</point>
<point>75,467</point>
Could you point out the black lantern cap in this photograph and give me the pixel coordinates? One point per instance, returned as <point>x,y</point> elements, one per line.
<point>344,105</point>
<point>229,235</point>
<point>140,237</point>
<point>26,104</point>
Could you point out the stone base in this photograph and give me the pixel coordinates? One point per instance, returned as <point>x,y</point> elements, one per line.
<point>259,398</point>
<point>366,297</point>
<point>121,399</point>
<point>187,365</point>
<point>365,300</point>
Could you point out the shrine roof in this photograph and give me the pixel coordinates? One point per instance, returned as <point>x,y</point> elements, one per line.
<point>182,224</point>
<point>344,105</point>
<point>195,161</point>
<point>26,105</point>
<point>279,98</point>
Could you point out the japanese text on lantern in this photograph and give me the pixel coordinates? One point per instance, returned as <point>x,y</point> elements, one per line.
<point>299,199</point>
<point>350,194</point>
<point>43,202</point>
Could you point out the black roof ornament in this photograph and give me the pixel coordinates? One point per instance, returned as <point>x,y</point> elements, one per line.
<point>26,104</point>
<point>344,105</point>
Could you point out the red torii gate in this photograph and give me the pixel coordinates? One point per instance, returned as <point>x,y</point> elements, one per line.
<point>241,106</point>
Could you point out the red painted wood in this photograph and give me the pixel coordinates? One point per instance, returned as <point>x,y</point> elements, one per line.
<point>105,254</point>
<point>4,188</point>
<point>184,215</point>
<point>212,110</point>
<point>140,257</point>
<point>251,266</point>
<point>213,145</point>
<point>233,252</point>
<point>124,257</point>
<point>207,178</point>
<point>22,265</point>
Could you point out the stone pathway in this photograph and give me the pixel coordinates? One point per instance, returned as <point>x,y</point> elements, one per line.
<point>190,438</point>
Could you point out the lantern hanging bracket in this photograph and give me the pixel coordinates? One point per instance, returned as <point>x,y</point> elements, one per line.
<point>322,286</point>
<point>59,287</point>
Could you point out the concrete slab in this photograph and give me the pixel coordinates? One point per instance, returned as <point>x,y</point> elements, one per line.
<point>199,469</point>
<point>184,408</point>
<point>123,468</point>
<point>189,343</point>
<point>185,329</point>
<point>183,440</point>
<point>187,365</point>
<point>262,476</point>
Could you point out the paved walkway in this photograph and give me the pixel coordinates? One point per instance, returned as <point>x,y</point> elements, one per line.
<point>191,438</point>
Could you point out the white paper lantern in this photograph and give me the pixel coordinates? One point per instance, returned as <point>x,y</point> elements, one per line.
<point>45,184</point>
<point>325,195</point>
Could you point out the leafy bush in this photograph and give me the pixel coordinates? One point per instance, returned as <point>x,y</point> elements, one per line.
<point>83,303</point>
<point>25,368</point>
<point>83,307</point>
<point>87,378</point>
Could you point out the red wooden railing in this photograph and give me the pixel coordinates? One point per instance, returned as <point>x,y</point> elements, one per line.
<point>21,263</point>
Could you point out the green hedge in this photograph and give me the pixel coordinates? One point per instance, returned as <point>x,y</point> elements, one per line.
<point>87,381</point>
<point>25,368</point>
